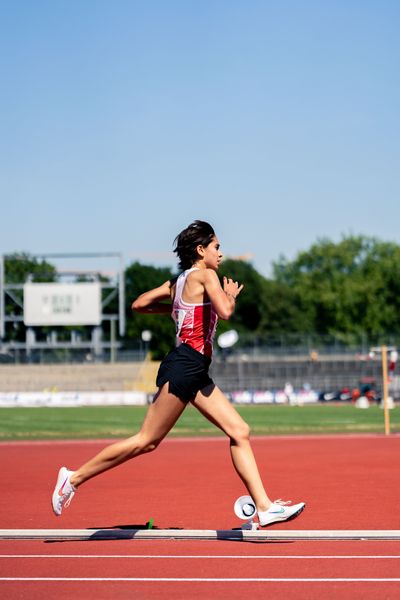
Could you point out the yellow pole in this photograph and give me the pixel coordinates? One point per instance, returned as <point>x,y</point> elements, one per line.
<point>385,389</point>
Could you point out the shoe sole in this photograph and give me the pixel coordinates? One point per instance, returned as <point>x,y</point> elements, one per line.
<point>61,475</point>
<point>293,516</point>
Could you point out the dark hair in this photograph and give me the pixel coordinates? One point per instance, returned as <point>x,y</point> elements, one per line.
<point>197,233</point>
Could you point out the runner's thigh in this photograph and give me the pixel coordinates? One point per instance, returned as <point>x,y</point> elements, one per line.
<point>162,414</point>
<point>216,407</point>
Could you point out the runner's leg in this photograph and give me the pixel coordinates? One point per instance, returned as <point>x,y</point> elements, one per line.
<point>215,406</point>
<point>160,418</point>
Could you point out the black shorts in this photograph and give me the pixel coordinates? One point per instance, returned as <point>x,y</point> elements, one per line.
<point>186,370</point>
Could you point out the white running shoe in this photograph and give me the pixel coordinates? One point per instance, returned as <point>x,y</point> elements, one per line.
<point>63,492</point>
<point>279,511</point>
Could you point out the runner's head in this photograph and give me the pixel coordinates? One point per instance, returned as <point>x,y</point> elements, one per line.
<point>198,233</point>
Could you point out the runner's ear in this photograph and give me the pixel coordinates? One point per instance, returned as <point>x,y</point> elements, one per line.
<point>200,250</point>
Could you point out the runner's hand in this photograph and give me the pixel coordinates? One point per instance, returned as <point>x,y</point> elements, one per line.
<point>232,288</point>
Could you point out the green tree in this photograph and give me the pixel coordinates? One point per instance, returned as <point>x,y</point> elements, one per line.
<point>351,287</point>
<point>282,312</point>
<point>265,306</point>
<point>138,279</point>
<point>20,268</point>
<point>249,306</point>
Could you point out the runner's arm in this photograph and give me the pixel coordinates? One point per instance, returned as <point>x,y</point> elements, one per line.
<point>223,299</point>
<point>151,301</point>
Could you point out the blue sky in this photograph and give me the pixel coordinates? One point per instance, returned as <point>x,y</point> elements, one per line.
<point>121,122</point>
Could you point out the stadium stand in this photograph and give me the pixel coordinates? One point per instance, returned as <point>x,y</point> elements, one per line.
<point>71,377</point>
<point>235,372</point>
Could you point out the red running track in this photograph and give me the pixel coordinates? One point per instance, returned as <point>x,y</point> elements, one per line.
<point>348,483</point>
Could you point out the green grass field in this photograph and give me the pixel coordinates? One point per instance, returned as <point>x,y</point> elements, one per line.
<point>122,421</point>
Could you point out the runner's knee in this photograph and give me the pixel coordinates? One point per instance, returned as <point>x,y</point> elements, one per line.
<point>241,433</point>
<point>140,444</point>
<point>148,444</point>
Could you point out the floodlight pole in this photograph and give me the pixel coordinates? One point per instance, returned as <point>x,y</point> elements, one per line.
<point>385,385</point>
<point>112,340</point>
<point>121,289</point>
<point>385,389</point>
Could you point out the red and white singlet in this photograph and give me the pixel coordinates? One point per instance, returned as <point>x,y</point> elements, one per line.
<point>195,323</point>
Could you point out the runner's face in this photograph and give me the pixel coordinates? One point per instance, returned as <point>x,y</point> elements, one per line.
<point>212,254</point>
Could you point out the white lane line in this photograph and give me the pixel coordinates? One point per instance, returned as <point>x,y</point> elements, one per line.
<point>207,556</point>
<point>212,579</point>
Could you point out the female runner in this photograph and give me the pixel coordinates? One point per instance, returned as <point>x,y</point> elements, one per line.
<point>197,300</point>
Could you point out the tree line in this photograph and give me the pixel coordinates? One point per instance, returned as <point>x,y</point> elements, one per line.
<point>348,289</point>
